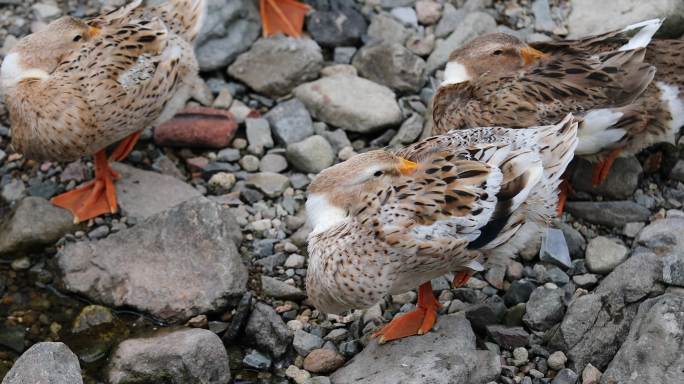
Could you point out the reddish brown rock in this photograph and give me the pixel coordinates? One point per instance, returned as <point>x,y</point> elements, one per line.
<point>197,127</point>
<point>323,361</point>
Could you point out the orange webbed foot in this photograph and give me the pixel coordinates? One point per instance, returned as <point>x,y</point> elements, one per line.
<point>416,322</point>
<point>283,16</point>
<point>95,198</point>
<point>462,278</point>
<point>563,191</point>
<point>125,147</point>
<point>602,169</point>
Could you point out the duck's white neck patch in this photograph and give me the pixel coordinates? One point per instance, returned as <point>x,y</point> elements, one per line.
<point>455,73</point>
<point>321,214</point>
<point>12,72</point>
<point>669,95</point>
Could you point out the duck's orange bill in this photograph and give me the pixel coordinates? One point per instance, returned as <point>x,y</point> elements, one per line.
<point>93,32</point>
<point>531,55</point>
<point>407,167</point>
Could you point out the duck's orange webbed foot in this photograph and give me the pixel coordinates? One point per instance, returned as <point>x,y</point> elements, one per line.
<point>462,278</point>
<point>416,322</point>
<point>283,16</point>
<point>125,147</point>
<point>602,168</point>
<point>95,198</point>
<point>563,191</point>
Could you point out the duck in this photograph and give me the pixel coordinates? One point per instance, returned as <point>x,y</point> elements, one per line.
<point>386,221</point>
<point>78,86</point>
<point>624,87</point>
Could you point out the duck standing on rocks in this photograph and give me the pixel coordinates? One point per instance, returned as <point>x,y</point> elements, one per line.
<point>606,80</point>
<point>78,86</point>
<point>384,222</point>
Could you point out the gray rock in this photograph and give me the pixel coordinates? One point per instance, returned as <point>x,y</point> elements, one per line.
<point>609,213</point>
<point>143,194</point>
<point>664,236</point>
<point>391,64</point>
<point>604,254</point>
<point>305,342</point>
<point>51,363</point>
<point>677,172</point>
<point>621,183</point>
<point>673,269</point>
<point>13,191</point>
<point>228,154</point>
<point>273,163</point>
<point>407,15</point>
<point>557,360</point>
<point>519,292</point>
<point>13,337</point>
<point>290,122</point>
<point>343,55</point>
<point>590,18</point>
<point>451,18</point>
<point>565,376</point>
<point>33,224</point>
<point>596,324</point>
<point>311,155</point>
<point>586,280</point>
<point>508,337</point>
<point>258,135</point>
<point>202,269</point>
<point>473,25</point>
<point>554,249</point>
<point>338,27</point>
<point>337,139</point>
<point>351,103</point>
<point>228,29</point>
<point>386,28</point>
<point>267,331</point>
<point>542,16</point>
<point>277,289</point>
<point>256,360</point>
<point>274,66</point>
<point>544,309</point>
<point>573,238</point>
<point>271,184</point>
<point>396,362</point>
<point>409,131</point>
<point>653,351</point>
<point>180,356</point>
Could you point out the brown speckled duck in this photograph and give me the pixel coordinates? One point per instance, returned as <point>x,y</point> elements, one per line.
<point>80,85</point>
<point>605,80</point>
<point>387,221</point>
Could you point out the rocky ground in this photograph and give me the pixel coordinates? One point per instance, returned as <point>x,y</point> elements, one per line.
<point>200,277</point>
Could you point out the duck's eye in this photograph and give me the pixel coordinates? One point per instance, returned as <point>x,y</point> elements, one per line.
<point>378,173</point>
<point>497,52</point>
<point>77,38</point>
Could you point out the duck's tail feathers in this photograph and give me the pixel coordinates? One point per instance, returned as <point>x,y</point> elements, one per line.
<point>641,33</point>
<point>557,144</point>
<point>184,17</point>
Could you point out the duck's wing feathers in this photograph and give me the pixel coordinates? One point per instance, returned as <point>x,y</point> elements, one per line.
<point>471,195</point>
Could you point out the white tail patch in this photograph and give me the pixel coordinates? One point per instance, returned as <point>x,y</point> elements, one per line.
<point>455,73</point>
<point>669,95</point>
<point>594,132</point>
<point>474,265</point>
<point>321,214</point>
<point>643,37</point>
<point>12,72</point>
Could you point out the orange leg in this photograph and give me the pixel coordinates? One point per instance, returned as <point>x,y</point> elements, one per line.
<point>462,278</point>
<point>94,198</point>
<point>125,147</point>
<point>282,16</point>
<point>563,191</point>
<point>417,322</point>
<point>602,169</point>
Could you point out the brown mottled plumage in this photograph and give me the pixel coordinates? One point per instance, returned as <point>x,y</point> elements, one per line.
<point>384,222</point>
<point>605,80</point>
<point>77,86</point>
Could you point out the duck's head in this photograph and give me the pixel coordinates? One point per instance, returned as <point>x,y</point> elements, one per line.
<point>337,191</point>
<point>494,55</point>
<point>38,54</point>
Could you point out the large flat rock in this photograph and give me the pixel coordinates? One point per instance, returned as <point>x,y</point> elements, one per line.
<point>51,363</point>
<point>143,194</point>
<point>174,265</point>
<point>33,224</point>
<point>171,357</point>
<point>653,351</point>
<point>445,355</point>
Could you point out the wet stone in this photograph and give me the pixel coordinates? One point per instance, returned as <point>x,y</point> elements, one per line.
<point>554,249</point>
